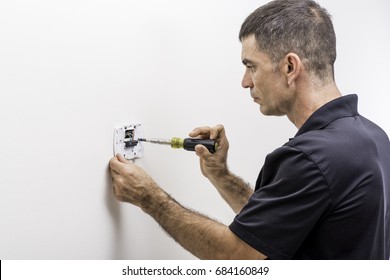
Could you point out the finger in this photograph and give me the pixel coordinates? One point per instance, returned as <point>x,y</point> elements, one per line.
<point>115,165</point>
<point>115,191</point>
<point>217,131</point>
<point>114,186</point>
<point>114,175</point>
<point>200,131</point>
<point>121,158</point>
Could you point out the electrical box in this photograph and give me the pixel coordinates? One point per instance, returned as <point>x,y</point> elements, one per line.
<point>125,141</point>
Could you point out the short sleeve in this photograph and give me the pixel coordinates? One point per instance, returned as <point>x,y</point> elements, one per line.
<point>290,197</point>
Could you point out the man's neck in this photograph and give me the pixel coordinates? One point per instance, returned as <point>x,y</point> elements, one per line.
<point>311,100</point>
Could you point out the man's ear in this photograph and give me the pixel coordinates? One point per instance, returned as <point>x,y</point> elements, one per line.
<point>292,67</point>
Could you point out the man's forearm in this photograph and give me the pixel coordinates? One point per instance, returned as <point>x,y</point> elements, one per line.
<point>202,236</point>
<point>188,228</point>
<point>234,190</point>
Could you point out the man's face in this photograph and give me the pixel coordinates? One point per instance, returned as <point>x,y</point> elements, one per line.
<point>264,79</point>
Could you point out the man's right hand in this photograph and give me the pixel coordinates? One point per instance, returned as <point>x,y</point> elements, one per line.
<point>232,188</point>
<point>213,166</point>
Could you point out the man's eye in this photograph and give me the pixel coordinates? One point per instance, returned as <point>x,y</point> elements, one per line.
<point>251,68</point>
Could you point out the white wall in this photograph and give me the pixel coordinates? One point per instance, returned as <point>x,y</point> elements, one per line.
<point>70,71</point>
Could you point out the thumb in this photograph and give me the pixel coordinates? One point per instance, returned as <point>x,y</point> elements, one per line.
<point>121,158</point>
<point>202,151</point>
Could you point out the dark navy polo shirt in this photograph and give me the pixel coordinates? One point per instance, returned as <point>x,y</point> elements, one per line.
<point>325,194</point>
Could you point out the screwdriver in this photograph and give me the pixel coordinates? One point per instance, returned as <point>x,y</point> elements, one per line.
<point>186,143</point>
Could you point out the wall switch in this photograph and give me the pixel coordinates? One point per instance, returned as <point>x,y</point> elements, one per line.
<point>125,141</point>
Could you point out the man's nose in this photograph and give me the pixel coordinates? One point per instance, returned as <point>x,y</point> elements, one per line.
<point>247,80</point>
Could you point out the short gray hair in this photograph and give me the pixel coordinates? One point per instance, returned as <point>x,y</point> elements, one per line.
<point>299,26</point>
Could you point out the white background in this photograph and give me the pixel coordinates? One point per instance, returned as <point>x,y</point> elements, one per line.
<point>71,71</point>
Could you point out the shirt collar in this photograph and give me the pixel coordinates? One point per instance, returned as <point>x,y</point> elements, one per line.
<point>344,106</point>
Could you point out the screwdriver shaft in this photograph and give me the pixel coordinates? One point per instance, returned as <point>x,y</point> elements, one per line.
<point>156,140</point>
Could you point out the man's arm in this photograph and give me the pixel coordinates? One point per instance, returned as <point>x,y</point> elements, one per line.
<point>202,236</point>
<point>234,190</point>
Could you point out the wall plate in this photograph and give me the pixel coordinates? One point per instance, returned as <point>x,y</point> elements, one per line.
<point>125,141</point>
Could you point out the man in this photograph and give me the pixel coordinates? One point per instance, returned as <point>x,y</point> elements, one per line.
<point>325,194</point>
